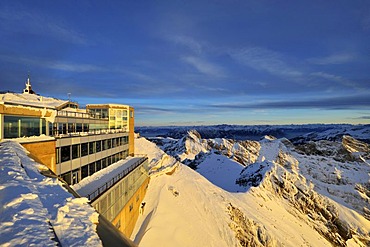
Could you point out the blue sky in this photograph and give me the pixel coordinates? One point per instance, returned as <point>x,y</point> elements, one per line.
<point>195,62</point>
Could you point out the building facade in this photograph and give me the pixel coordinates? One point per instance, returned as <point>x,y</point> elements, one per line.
<point>75,143</point>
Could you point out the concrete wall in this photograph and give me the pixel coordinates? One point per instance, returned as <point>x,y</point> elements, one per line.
<point>125,221</point>
<point>25,111</point>
<point>43,152</point>
<point>121,203</point>
<point>131,122</point>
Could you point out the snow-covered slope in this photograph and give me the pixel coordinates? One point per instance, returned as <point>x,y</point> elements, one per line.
<point>192,149</point>
<point>38,211</point>
<point>282,199</point>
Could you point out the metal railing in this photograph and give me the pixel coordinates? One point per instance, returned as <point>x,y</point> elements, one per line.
<point>99,191</point>
<point>76,114</point>
<point>92,132</point>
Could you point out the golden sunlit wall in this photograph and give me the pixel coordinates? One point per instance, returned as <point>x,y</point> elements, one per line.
<point>126,219</point>
<point>131,137</point>
<point>42,152</point>
<point>121,204</point>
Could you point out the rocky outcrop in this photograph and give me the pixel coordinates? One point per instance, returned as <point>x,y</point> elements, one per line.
<point>281,179</point>
<point>248,232</point>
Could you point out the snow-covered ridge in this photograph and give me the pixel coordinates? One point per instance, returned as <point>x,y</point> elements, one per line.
<point>281,178</point>
<point>295,133</point>
<point>191,149</point>
<point>36,209</point>
<point>317,192</point>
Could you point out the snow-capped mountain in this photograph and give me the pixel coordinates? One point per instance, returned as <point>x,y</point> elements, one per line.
<point>257,193</point>
<point>295,133</point>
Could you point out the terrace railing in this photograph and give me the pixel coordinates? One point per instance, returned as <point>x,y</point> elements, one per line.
<point>109,184</point>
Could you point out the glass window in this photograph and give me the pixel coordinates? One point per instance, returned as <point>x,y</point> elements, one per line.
<point>98,165</point>
<point>64,128</point>
<point>85,127</point>
<point>91,147</point>
<point>105,144</point>
<point>43,126</point>
<point>104,163</point>
<point>91,112</point>
<point>51,129</point>
<point>79,127</point>
<point>75,151</point>
<point>91,168</point>
<point>15,126</point>
<point>98,146</point>
<point>75,178</point>
<point>55,129</point>
<point>109,143</point>
<point>104,113</point>
<point>71,128</point>
<point>65,153</point>
<point>84,149</point>
<point>84,171</point>
<point>11,127</point>
<point>66,177</point>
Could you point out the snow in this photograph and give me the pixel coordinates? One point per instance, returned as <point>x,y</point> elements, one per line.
<point>37,210</point>
<point>221,171</point>
<point>31,139</point>
<point>159,161</point>
<point>198,216</point>
<point>91,183</point>
<point>31,100</point>
<point>201,208</point>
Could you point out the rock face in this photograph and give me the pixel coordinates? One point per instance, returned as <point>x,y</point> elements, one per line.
<point>248,232</point>
<point>306,176</point>
<point>280,176</point>
<point>192,149</point>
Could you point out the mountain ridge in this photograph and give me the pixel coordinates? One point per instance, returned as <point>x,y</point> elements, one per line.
<point>281,179</point>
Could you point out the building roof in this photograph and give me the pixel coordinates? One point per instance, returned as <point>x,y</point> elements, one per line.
<point>31,100</point>
<point>108,106</point>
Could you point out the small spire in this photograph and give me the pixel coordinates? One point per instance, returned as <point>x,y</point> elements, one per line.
<point>28,89</point>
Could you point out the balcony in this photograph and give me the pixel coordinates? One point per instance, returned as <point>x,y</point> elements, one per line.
<point>91,132</point>
<point>93,188</point>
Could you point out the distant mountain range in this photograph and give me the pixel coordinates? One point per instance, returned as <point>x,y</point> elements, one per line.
<point>295,133</point>
<point>290,185</point>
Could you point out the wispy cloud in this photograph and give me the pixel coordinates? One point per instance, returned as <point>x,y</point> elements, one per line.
<point>367,117</point>
<point>335,78</point>
<point>265,60</point>
<point>204,67</point>
<point>330,103</point>
<point>338,58</point>
<point>52,64</point>
<point>188,42</point>
<point>40,24</point>
<point>151,110</point>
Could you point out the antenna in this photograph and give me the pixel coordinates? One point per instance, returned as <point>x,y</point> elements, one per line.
<point>69,96</point>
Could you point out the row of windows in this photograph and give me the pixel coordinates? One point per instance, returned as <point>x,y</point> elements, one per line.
<point>77,175</point>
<point>75,151</point>
<point>15,126</point>
<point>64,128</point>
